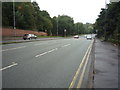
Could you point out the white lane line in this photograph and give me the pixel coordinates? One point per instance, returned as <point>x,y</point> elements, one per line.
<point>46,52</point>
<point>13,64</point>
<point>41,54</point>
<point>52,50</point>
<point>66,45</point>
<point>12,48</point>
<point>40,44</point>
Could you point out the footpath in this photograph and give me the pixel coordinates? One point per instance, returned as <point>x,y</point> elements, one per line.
<point>21,40</point>
<point>106,65</point>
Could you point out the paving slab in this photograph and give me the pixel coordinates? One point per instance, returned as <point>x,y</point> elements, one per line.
<point>106,65</point>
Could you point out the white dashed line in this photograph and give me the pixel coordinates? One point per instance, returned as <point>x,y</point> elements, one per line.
<point>52,50</point>
<point>12,48</point>
<point>39,44</point>
<point>46,52</point>
<point>13,64</point>
<point>66,45</point>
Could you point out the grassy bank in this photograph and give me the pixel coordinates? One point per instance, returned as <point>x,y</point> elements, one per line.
<point>114,41</point>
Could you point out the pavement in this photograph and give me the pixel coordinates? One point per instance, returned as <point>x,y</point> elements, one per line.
<point>106,65</point>
<point>19,40</point>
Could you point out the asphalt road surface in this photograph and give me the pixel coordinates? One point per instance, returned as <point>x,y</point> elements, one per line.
<point>42,64</point>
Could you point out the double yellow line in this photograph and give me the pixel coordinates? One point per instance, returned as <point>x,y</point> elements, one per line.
<point>83,62</point>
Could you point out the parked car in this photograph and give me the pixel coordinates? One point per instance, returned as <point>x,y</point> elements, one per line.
<point>29,36</point>
<point>89,37</point>
<point>76,36</point>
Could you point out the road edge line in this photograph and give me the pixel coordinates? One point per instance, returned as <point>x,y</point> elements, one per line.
<point>83,71</point>
<point>80,66</point>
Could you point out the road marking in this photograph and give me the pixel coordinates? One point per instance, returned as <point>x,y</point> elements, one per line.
<point>46,52</point>
<point>13,48</point>
<point>66,45</point>
<point>13,64</point>
<point>40,44</point>
<point>79,68</point>
<point>83,72</point>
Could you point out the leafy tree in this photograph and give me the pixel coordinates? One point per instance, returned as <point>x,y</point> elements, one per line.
<point>108,22</point>
<point>79,28</point>
<point>24,16</point>
<point>54,22</point>
<point>64,22</point>
<point>7,14</point>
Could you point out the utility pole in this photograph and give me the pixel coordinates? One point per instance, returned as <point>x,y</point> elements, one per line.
<point>14,15</point>
<point>14,18</point>
<point>57,25</point>
<point>65,32</point>
<point>105,37</point>
<point>78,28</point>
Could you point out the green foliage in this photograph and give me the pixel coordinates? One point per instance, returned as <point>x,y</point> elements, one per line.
<point>64,22</point>
<point>79,28</point>
<point>108,23</point>
<point>28,16</point>
<point>7,14</point>
<point>88,28</point>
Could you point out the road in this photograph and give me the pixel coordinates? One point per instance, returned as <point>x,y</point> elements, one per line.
<point>42,64</point>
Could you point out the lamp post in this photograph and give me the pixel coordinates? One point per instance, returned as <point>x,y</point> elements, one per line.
<point>105,37</point>
<point>14,15</point>
<point>14,18</point>
<point>57,25</point>
<point>45,30</point>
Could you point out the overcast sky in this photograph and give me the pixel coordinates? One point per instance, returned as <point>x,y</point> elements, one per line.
<point>80,10</point>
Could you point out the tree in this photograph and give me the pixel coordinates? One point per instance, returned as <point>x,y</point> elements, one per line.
<point>64,22</point>
<point>28,16</point>
<point>79,28</point>
<point>7,14</point>
<point>108,22</point>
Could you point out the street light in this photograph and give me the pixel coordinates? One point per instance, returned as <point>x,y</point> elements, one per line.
<point>105,37</point>
<point>14,15</point>
<point>45,30</point>
<point>57,25</point>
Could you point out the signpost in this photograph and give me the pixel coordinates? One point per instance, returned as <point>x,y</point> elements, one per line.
<point>65,32</point>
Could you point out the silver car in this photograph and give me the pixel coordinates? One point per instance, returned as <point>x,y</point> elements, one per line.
<point>29,36</point>
<point>89,37</point>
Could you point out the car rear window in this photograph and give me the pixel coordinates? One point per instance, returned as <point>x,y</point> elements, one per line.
<point>25,34</point>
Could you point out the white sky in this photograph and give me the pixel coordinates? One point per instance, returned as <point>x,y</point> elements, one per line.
<point>80,10</point>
